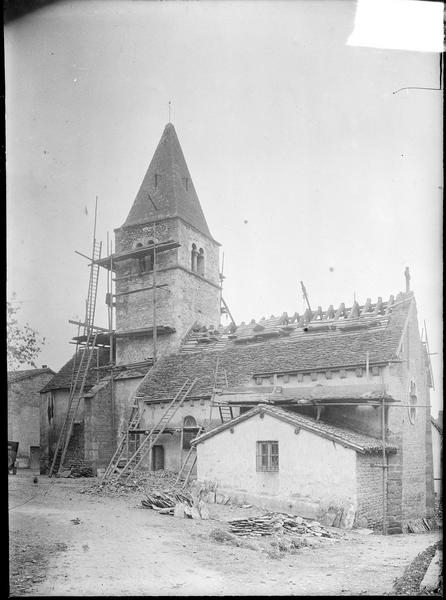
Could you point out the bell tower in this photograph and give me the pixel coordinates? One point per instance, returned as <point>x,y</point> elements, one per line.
<point>166,261</point>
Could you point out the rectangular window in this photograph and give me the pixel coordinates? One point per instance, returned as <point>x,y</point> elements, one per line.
<point>267,457</point>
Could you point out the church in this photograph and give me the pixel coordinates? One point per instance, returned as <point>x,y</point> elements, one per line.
<point>321,414</point>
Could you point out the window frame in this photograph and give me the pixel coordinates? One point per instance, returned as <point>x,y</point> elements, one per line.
<point>267,456</point>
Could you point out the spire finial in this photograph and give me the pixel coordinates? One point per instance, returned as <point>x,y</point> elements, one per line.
<point>407,276</point>
<point>170,103</point>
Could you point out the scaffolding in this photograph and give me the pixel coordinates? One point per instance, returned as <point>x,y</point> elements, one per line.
<point>81,361</point>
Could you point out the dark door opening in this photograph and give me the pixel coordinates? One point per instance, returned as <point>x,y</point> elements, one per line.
<point>34,457</point>
<point>157,458</point>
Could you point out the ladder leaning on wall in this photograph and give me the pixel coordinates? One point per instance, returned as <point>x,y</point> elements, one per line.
<point>157,430</point>
<point>81,365</point>
<point>226,414</point>
<point>127,436</point>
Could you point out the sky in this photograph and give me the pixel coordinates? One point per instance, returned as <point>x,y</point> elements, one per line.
<point>308,166</point>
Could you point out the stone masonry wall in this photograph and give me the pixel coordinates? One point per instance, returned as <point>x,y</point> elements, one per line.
<point>24,414</point>
<point>75,450</point>
<point>430,483</point>
<point>407,477</point>
<point>190,297</point>
<point>369,490</point>
<point>53,409</point>
<point>98,420</point>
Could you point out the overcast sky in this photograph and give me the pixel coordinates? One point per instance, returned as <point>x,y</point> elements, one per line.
<point>307,165</point>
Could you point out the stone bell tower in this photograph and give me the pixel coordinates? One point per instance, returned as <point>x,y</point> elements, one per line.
<point>165,241</point>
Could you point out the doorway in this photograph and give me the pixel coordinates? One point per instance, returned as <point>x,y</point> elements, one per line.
<point>34,457</point>
<point>157,458</point>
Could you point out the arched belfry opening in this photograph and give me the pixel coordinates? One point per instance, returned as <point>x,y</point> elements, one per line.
<point>193,258</point>
<point>200,262</point>
<point>145,263</point>
<point>190,430</point>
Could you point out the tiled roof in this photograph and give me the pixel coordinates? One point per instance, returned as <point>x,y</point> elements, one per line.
<point>344,319</point>
<point>167,189</point>
<point>62,379</point>
<point>298,351</point>
<point>14,376</point>
<point>341,435</point>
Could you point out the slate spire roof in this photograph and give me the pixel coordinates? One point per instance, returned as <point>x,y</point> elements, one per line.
<point>167,189</point>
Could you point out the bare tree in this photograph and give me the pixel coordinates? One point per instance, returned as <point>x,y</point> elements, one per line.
<point>23,342</point>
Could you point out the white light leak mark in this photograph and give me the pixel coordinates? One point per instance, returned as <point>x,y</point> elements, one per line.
<point>399,25</point>
<point>74,80</point>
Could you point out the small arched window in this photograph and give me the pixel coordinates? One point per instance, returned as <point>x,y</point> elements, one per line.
<point>193,258</point>
<point>190,430</point>
<point>413,400</point>
<point>200,262</point>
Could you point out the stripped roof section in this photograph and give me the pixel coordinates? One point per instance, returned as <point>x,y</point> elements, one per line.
<point>15,376</point>
<point>369,316</point>
<point>303,351</point>
<point>167,190</point>
<point>346,437</point>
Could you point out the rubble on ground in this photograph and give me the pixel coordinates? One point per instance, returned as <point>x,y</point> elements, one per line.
<point>138,482</point>
<point>409,583</point>
<point>77,468</point>
<point>166,500</point>
<point>272,523</point>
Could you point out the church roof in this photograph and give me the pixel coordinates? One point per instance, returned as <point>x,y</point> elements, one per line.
<point>372,330</point>
<point>62,379</point>
<point>167,189</point>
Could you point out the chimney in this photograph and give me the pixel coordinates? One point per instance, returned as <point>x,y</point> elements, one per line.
<point>44,366</point>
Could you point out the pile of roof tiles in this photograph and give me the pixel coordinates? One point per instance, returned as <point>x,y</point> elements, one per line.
<point>271,523</point>
<point>166,500</point>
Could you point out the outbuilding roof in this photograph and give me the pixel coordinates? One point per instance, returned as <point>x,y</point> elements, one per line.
<point>15,376</point>
<point>296,351</point>
<point>341,435</point>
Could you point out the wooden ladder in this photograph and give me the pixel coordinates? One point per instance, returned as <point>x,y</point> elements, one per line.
<point>220,384</point>
<point>152,437</point>
<point>76,393</point>
<point>189,461</point>
<point>121,451</point>
<point>79,375</point>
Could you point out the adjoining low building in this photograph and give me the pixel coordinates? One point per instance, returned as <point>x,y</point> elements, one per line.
<point>437,452</point>
<point>24,412</point>
<point>54,398</point>
<point>282,460</point>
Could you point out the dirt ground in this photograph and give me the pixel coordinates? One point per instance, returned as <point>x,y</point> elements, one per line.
<point>65,542</point>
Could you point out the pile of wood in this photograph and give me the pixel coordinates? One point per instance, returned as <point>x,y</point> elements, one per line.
<point>418,525</point>
<point>165,501</point>
<point>271,523</point>
<point>256,526</point>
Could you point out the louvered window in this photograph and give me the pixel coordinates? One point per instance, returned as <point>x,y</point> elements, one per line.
<point>267,457</point>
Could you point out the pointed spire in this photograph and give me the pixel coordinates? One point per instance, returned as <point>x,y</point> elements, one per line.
<point>167,189</point>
